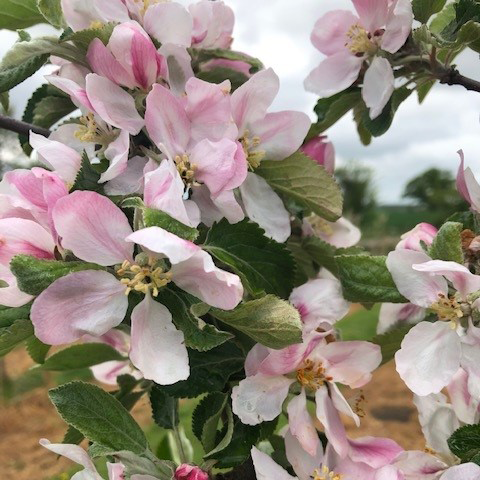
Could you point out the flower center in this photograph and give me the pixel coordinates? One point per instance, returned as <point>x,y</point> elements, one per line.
<point>326,474</point>
<point>91,132</point>
<point>143,278</point>
<point>360,41</point>
<point>448,309</point>
<point>249,144</point>
<point>186,169</point>
<point>312,376</point>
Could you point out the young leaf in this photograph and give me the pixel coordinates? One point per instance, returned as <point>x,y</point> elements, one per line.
<point>164,408</point>
<point>424,9</point>
<point>465,442</point>
<point>83,38</point>
<point>264,265</point>
<point>8,315</point>
<point>15,14</point>
<point>98,416</point>
<point>220,74</point>
<point>52,11</point>
<point>34,275</point>
<point>269,320</point>
<point>447,244</point>
<point>87,178</point>
<point>12,76</point>
<point>321,252</point>
<point>81,356</point>
<point>391,341</point>
<point>302,179</point>
<point>157,218</point>
<point>305,268</point>
<point>37,349</point>
<point>366,279</point>
<point>11,336</point>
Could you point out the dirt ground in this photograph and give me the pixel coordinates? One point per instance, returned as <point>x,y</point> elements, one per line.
<point>388,406</point>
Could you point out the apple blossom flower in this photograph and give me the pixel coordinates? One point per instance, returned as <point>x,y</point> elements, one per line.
<point>95,301</point>
<point>322,151</point>
<point>349,41</point>
<point>412,240</point>
<point>467,185</point>
<point>340,234</point>
<point>190,472</point>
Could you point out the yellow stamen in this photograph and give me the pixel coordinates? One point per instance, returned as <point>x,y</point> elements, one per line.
<point>320,225</point>
<point>186,169</point>
<point>326,474</point>
<point>448,309</point>
<point>145,4</point>
<point>91,132</point>
<point>312,376</point>
<point>360,41</point>
<point>145,279</point>
<point>249,144</point>
<point>97,25</point>
<point>359,404</point>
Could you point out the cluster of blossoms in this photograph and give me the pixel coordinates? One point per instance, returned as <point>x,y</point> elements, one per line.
<point>116,219</point>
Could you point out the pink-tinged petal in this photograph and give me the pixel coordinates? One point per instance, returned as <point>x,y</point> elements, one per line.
<point>167,122</point>
<point>330,31</point>
<point>351,363</point>
<point>163,243</point>
<point>394,315</point>
<point>135,51</point>
<point>112,11</point>
<point>251,101</point>
<point>419,287</point>
<point>117,154</point>
<point>254,359</point>
<point>20,236</point>
<point>189,472</point>
<point>89,302</point>
<point>303,463</point>
<point>464,404</point>
<point>265,207</point>
<point>373,13</point>
<point>374,451</point>
<point>341,234</point>
<point>115,471</point>
<point>389,472</point>
<point>108,372</point>
<point>429,357</point>
<point>131,180</point>
<point>266,468</point>
<point>158,349</point>
<point>169,23</point>
<point>341,404</point>
<point>93,228</point>
<point>334,74</point>
<point>319,300</point>
<point>64,160</point>
<point>199,276</point>
<point>462,279</point>
<point>11,296</point>
<point>75,453</point>
<point>209,211</point>
<point>221,166</point>
<point>28,185</point>
<point>471,363</point>
<point>419,465</point>
<point>281,133</point>
<point>105,64</point>
<point>260,398</point>
<point>328,415</point>
<point>208,108</point>
<point>301,424</point>
<point>77,93</point>
<point>178,65</point>
<point>113,104</point>
<point>467,471</point>
<point>228,206</point>
<point>378,86</point>
<point>423,232</point>
<point>467,186</point>
<point>398,26</point>
<point>236,65</point>
<point>322,151</point>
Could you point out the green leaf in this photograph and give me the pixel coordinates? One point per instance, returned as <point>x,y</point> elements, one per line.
<point>12,76</point>
<point>209,371</point>
<point>73,436</point>
<point>391,341</point>
<point>220,74</point>
<point>447,244</point>
<point>310,185</point>
<point>137,465</point>
<point>366,279</point>
<point>164,408</point>
<point>321,252</point>
<point>465,443</point>
<point>98,416</point>
<point>157,218</point>
<point>206,418</point>
<point>11,336</point>
<point>465,11</point>
<point>8,315</point>
<point>83,38</point>
<point>52,11</point>
<point>424,89</point>
<point>87,177</point>
<point>305,269</point>
<point>264,265</point>
<point>206,55</point>
<point>198,334</point>
<point>81,356</point>
<point>5,101</point>
<point>37,349</point>
<point>271,321</point>
<point>424,9</point>
<point>50,110</point>
<point>34,275</point>
<point>442,19</point>
<point>15,14</point>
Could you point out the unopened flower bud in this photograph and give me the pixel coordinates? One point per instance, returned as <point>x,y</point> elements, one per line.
<point>321,151</point>
<point>190,472</point>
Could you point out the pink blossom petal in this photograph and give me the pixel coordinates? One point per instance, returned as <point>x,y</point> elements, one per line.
<point>251,101</point>
<point>265,207</point>
<point>169,23</point>
<point>429,357</point>
<point>398,26</point>
<point>467,471</point>
<point>260,398</point>
<point>464,404</point>
<point>158,349</point>
<point>75,453</point>
<point>117,154</point>
<point>303,463</point>
<point>423,232</point>
<point>416,464</point>
<point>11,296</point>
<point>130,181</point>
<point>321,151</point>
<point>199,276</point>
<point>341,404</point>
<point>108,372</point>
<point>419,287</point>
<point>378,86</point>
<point>254,359</point>
<point>266,468</point>
<point>77,93</point>
<point>227,205</point>
<point>374,451</point>
<point>167,122</point>
<point>281,133</point>
<point>178,65</point>
<point>116,471</point>
<point>372,13</point>
<point>301,424</point>
<point>113,104</point>
<point>159,241</point>
<point>89,302</point>
<point>467,186</point>
<point>93,228</point>
<point>334,74</point>
<point>398,314</point>
<point>389,472</point>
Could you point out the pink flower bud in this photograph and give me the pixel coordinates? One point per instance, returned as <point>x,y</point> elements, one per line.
<point>423,232</point>
<point>321,151</point>
<point>189,472</point>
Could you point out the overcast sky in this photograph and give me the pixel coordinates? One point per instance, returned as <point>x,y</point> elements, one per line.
<point>278,31</point>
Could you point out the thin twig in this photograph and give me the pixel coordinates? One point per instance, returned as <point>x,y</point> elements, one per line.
<point>454,77</point>
<point>22,128</point>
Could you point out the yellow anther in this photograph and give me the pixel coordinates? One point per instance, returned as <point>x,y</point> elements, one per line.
<point>97,25</point>
<point>325,474</point>
<point>91,132</point>
<point>186,169</point>
<point>359,404</point>
<point>249,144</point>
<point>312,376</point>
<point>448,309</point>
<point>360,41</point>
<point>144,279</point>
